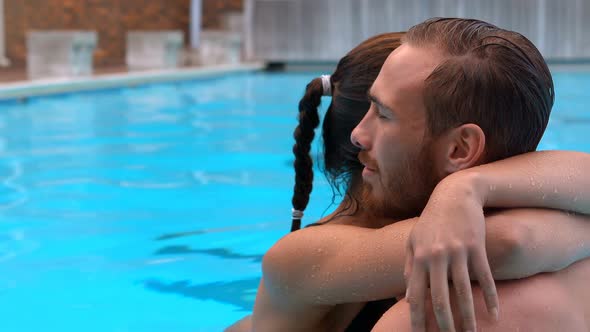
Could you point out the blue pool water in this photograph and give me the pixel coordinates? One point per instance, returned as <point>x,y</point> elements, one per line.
<point>149,208</point>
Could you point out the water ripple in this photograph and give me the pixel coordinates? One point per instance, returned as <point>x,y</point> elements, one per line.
<point>14,243</point>
<point>11,183</point>
<point>205,178</point>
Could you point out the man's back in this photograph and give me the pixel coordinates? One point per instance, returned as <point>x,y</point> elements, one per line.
<point>547,302</point>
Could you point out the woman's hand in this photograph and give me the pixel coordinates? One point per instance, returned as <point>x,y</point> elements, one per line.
<point>449,238</point>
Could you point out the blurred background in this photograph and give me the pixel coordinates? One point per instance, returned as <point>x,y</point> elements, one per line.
<point>206,32</point>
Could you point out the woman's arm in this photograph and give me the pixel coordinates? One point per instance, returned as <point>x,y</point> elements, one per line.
<point>540,241</point>
<point>333,264</point>
<point>243,325</point>
<point>546,179</point>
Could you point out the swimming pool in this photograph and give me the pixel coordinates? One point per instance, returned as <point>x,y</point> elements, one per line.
<point>149,208</point>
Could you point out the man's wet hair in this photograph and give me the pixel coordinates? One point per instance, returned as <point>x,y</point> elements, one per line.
<point>492,77</point>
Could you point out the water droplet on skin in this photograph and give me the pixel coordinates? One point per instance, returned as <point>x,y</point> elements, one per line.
<point>555,190</point>
<point>510,186</point>
<point>492,187</point>
<point>320,250</point>
<point>544,196</point>
<point>532,182</point>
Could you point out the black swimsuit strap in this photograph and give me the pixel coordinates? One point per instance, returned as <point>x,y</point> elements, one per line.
<point>369,315</point>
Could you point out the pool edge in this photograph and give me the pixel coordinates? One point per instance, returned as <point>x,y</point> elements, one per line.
<point>34,88</point>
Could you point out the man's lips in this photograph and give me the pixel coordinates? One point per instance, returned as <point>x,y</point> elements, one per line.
<point>369,165</point>
<point>368,173</point>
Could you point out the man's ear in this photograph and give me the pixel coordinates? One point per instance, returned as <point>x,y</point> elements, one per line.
<point>464,147</point>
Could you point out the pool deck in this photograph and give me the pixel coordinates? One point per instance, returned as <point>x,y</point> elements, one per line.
<point>15,85</point>
<point>15,74</point>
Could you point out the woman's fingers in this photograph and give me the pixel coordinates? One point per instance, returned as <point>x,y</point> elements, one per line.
<point>415,297</point>
<point>483,273</point>
<point>462,285</point>
<point>439,288</point>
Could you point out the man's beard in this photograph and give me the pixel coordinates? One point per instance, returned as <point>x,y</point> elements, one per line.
<point>407,190</point>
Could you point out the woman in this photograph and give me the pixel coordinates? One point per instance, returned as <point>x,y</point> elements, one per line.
<point>304,310</point>
<point>348,87</point>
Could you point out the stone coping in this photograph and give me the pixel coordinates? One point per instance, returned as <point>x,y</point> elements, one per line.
<point>43,87</point>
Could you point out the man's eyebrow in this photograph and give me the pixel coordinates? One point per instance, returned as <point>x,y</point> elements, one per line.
<point>376,100</point>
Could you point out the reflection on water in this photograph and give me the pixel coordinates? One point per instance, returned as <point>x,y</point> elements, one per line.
<point>217,252</point>
<point>250,228</point>
<point>240,293</point>
<point>12,193</point>
<point>179,234</point>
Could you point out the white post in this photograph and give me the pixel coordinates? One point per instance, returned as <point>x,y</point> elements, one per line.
<point>248,29</point>
<point>4,62</point>
<point>196,12</point>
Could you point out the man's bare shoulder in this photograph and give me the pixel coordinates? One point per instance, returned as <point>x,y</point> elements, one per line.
<point>539,303</point>
<point>574,281</point>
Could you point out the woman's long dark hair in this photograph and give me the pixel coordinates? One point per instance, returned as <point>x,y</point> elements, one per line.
<point>350,83</point>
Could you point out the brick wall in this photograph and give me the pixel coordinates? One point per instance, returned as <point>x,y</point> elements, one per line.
<point>110,18</point>
<point>212,10</point>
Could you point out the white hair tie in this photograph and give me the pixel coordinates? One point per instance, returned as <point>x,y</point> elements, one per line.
<point>326,85</point>
<point>297,214</point>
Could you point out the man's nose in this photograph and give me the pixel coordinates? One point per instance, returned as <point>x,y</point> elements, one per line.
<point>359,136</point>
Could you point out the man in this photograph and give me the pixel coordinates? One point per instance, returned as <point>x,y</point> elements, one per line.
<point>452,84</point>
<point>319,288</point>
